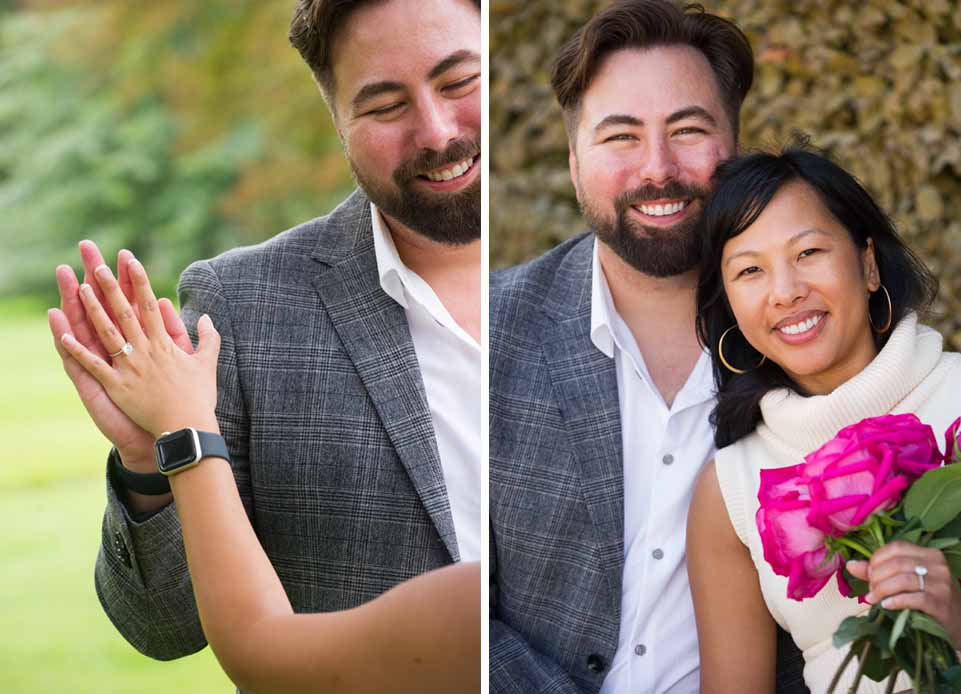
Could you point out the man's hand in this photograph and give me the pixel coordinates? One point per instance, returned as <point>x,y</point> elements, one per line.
<point>157,384</point>
<point>136,446</point>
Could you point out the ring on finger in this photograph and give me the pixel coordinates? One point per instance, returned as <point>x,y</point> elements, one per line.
<point>920,571</point>
<point>127,350</point>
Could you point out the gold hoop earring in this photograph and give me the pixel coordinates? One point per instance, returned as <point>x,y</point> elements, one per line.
<point>720,354</point>
<point>886,326</point>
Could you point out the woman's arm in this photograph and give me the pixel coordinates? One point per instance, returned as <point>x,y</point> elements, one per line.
<point>727,599</point>
<point>423,635</point>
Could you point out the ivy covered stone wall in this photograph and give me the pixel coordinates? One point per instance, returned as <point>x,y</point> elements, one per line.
<point>876,83</point>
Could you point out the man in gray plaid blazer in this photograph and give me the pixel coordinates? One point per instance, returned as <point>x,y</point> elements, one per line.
<point>349,372</point>
<point>600,393</point>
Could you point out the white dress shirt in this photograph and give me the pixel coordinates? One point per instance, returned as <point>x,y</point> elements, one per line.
<point>664,449</point>
<point>450,366</point>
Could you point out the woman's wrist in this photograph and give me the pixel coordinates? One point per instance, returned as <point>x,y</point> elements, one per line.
<point>201,422</point>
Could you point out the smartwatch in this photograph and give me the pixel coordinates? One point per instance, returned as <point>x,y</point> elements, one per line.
<point>181,450</point>
<point>151,483</point>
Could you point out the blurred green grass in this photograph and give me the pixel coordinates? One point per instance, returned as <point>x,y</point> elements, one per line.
<point>54,636</point>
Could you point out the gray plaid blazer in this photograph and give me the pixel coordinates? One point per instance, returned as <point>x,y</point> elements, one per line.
<point>324,411</point>
<point>556,484</point>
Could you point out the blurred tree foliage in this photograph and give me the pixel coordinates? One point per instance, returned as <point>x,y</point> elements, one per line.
<point>877,84</point>
<point>175,129</point>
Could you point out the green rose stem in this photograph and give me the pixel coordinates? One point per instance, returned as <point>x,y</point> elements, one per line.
<point>862,661</point>
<point>841,668</point>
<point>892,678</point>
<point>917,663</point>
<point>929,668</point>
<point>856,546</point>
<point>890,522</point>
<point>875,526</point>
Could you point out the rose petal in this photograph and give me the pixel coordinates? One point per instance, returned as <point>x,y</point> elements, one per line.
<point>810,573</point>
<point>951,440</point>
<point>884,498</point>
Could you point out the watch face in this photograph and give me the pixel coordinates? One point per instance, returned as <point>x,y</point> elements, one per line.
<point>177,450</point>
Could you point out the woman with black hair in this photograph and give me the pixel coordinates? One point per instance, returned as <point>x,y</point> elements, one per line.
<point>808,301</point>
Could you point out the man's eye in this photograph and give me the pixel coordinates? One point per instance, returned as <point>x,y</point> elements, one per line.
<point>384,110</point>
<point>460,84</point>
<point>689,131</point>
<point>620,137</point>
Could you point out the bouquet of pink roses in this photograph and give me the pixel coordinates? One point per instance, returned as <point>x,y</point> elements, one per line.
<point>880,480</point>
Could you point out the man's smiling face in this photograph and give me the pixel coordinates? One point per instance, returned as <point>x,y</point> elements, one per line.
<point>651,130</point>
<point>407,103</point>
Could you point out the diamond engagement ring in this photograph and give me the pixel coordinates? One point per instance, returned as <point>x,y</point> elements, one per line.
<point>127,349</point>
<point>921,572</point>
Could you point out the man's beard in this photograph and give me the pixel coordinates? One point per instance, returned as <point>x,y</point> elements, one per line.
<point>655,251</point>
<point>449,218</point>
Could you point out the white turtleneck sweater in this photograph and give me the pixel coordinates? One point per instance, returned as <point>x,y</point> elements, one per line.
<point>911,374</point>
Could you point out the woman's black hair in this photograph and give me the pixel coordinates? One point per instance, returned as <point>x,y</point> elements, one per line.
<point>744,187</point>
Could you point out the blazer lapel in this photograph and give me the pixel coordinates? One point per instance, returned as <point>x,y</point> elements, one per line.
<point>376,336</point>
<point>585,383</point>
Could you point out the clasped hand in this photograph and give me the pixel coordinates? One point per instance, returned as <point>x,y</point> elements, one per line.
<point>151,378</point>
<point>896,585</point>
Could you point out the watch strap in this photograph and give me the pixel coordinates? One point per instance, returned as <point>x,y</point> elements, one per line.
<point>150,484</point>
<point>213,445</point>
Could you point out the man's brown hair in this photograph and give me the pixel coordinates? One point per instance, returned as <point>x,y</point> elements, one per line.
<point>313,29</point>
<point>648,24</point>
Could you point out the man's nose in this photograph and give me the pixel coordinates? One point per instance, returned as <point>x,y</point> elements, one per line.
<point>436,125</point>
<point>658,165</point>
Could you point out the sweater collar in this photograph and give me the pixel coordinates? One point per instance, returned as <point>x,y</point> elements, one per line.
<point>806,423</point>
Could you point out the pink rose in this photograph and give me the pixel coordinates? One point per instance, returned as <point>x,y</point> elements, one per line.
<point>866,468</point>
<point>791,545</point>
<point>914,441</point>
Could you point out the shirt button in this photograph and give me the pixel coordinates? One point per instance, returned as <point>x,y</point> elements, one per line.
<point>640,649</point>
<point>657,554</point>
<point>667,459</point>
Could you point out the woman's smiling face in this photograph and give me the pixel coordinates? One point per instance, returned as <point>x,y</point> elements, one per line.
<point>799,287</point>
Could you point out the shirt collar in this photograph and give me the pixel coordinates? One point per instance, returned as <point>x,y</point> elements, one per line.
<point>602,308</point>
<point>606,323</point>
<point>403,285</point>
<point>390,268</point>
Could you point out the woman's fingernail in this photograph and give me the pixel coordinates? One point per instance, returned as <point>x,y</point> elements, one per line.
<point>66,339</point>
<point>85,289</point>
<point>870,598</point>
<point>103,272</point>
<point>886,603</point>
